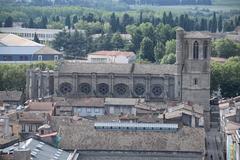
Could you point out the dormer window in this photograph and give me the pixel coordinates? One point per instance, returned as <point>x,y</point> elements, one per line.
<point>195,50</point>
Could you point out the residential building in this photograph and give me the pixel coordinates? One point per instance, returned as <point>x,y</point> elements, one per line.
<point>40,107</point>
<point>10,99</point>
<point>83,107</point>
<point>15,49</point>
<point>120,106</point>
<point>111,57</point>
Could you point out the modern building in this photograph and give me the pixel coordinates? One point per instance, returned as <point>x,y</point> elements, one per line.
<point>37,150</point>
<point>187,80</point>
<point>15,49</point>
<point>111,57</point>
<point>44,35</point>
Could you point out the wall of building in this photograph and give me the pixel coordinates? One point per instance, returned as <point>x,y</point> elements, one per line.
<point>88,111</point>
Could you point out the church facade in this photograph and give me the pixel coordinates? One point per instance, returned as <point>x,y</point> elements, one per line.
<point>186,80</point>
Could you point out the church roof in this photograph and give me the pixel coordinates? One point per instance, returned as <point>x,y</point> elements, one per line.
<point>117,68</point>
<point>197,35</point>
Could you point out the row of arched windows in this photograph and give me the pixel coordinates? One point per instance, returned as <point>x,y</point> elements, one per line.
<point>196,49</point>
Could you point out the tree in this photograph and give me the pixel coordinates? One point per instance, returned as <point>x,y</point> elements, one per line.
<point>147,49</point>
<point>214,23</point>
<point>136,36</point>
<point>36,39</point>
<point>114,23</point>
<point>8,22</point>
<point>126,20</point>
<point>31,23</point>
<point>226,77</point>
<point>170,46</point>
<point>68,22</point>
<point>159,51</point>
<point>226,48</point>
<point>117,41</point>
<point>77,45</point>
<point>220,23</point>
<point>164,19</point>
<point>60,41</point>
<point>169,59</point>
<point>147,30</point>
<point>44,22</point>
<point>75,19</point>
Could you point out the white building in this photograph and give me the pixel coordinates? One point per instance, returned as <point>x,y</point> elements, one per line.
<point>111,57</point>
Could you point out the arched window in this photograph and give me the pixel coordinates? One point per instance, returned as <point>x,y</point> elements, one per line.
<point>195,50</point>
<point>205,49</point>
<point>187,49</point>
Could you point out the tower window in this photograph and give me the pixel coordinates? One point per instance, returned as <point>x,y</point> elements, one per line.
<point>195,81</point>
<point>195,50</point>
<point>187,49</point>
<point>205,49</point>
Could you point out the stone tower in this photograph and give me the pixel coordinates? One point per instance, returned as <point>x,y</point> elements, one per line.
<point>193,61</point>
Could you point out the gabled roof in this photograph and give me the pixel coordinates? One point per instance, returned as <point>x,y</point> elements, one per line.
<point>14,40</point>
<point>41,106</point>
<point>47,50</point>
<point>10,95</point>
<point>82,102</point>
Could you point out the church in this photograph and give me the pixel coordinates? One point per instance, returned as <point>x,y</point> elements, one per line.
<point>186,80</point>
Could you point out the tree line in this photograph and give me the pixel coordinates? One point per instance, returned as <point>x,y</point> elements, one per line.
<point>167,2</point>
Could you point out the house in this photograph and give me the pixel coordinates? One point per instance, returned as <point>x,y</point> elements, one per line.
<point>121,105</point>
<point>10,99</point>
<point>184,114</point>
<point>15,49</point>
<point>111,57</point>
<point>41,107</point>
<point>36,150</point>
<point>83,107</point>
<point>30,122</point>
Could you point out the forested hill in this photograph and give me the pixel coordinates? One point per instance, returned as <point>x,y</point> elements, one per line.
<point>168,2</point>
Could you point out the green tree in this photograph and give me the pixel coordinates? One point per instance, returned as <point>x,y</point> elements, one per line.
<point>60,41</point>
<point>147,30</point>
<point>169,59</point>
<point>114,23</point>
<point>75,20</point>
<point>68,22</point>
<point>170,46</point>
<point>159,51</point>
<point>220,23</point>
<point>147,49</point>
<point>77,45</point>
<point>226,48</point>
<point>117,41</point>
<point>8,22</point>
<point>31,23</point>
<point>36,39</point>
<point>214,23</point>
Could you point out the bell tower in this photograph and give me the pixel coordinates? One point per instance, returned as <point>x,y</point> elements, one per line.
<point>193,60</point>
